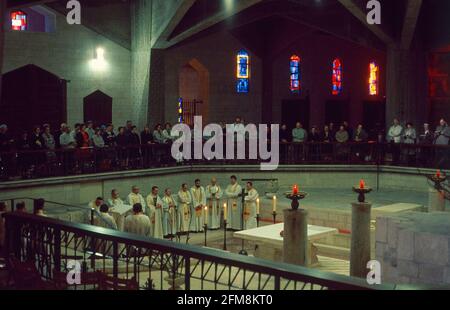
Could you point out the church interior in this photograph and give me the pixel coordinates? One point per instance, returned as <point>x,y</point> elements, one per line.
<point>121,123</point>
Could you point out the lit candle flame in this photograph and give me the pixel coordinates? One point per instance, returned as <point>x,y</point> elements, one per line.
<point>362,185</point>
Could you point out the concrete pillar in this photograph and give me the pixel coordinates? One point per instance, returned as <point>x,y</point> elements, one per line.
<point>2,41</point>
<point>436,200</point>
<point>295,239</point>
<point>406,85</point>
<point>360,244</point>
<point>156,107</point>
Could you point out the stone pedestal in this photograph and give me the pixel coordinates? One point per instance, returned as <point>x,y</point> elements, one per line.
<point>295,241</point>
<point>360,244</point>
<point>436,200</point>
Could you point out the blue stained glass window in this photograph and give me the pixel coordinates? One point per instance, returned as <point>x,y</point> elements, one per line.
<point>295,74</point>
<point>243,72</point>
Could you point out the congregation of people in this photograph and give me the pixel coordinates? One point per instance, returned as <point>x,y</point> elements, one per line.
<point>127,148</point>
<point>190,210</point>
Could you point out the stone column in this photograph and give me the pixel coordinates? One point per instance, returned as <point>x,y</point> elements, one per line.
<point>360,244</point>
<point>436,200</point>
<point>2,41</point>
<point>295,243</point>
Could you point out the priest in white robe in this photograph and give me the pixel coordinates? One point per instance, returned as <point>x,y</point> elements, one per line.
<point>198,205</point>
<point>135,197</point>
<point>105,219</point>
<point>170,216</point>
<point>115,200</point>
<point>234,203</point>
<point>184,208</point>
<point>138,223</point>
<point>95,204</point>
<point>155,213</point>
<point>213,195</point>
<point>250,207</point>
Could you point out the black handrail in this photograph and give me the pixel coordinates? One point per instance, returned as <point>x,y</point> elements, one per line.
<point>15,221</point>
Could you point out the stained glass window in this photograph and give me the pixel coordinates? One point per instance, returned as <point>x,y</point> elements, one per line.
<point>18,21</point>
<point>295,74</point>
<point>337,77</point>
<point>243,72</point>
<point>373,79</point>
<point>180,110</point>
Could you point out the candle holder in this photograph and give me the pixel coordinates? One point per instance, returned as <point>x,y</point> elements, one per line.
<point>205,227</point>
<point>225,234</point>
<point>274,215</point>
<point>362,193</point>
<point>295,198</point>
<point>437,180</point>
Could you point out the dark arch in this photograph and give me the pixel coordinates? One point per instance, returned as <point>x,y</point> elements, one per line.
<point>32,96</point>
<point>98,108</point>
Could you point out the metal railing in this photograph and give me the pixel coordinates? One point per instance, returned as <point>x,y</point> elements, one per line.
<point>64,162</point>
<point>155,264</point>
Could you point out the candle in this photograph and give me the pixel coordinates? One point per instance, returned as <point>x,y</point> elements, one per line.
<point>257,206</point>
<point>362,185</point>
<point>295,190</point>
<point>206,215</point>
<point>438,174</point>
<point>225,214</point>
<point>274,201</point>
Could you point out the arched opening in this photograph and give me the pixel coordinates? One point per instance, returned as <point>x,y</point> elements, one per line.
<point>32,96</point>
<point>97,107</point>
<point>194,90</point>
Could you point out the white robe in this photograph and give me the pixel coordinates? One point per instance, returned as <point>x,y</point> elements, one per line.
<point>213,196</point>
<point>184,210</point>
<point>138,224</point>
<point>170,217</point>
<point>234,206</point>
<point>105,220</point>
<point>155,213</point>
<point>250,209</point>
<point>137,198</point>
<point>113,203</point>
<point>199,203</point>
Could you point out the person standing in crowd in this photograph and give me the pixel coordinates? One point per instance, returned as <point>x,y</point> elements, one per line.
<point>395,138</point>
<point>20,207</point>
<point>122,143</point>
<point>442,133</point>
<point>90,129</point>
<point>155,213</point>
<point>5,139</point>
<point>213,197</point>
<point>409,137</point>
<point>184,209</point>
<point>299,135</point>
<point>146,142</point>
<point>138,223</point>
<point>360,134</point>
<point>327,136</point>
<point>24,158</point>
<point>97,139</point>
<point>108,136</point>
<point>82,137</point>
<point>170,216</point>
<point>158,136</point>
<point>167,132</point>
<point>285,138</point>
<point>348,129</point>
<point>342,135</point>
<point>250,207</point>
<point>39,207</point>
<point>198,204</point>
<point>232,192</point>
<point>135,197</point>
<point>37,144</point>
<point>66,139</point>
<point>314,135</point>
<point>47,137</point>
<point>427,137</point>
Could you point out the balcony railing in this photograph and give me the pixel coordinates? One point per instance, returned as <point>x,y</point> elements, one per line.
<point>53,246</point>
<point>51,163</point>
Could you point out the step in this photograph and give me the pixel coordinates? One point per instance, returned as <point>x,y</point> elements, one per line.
<point>332,251</point>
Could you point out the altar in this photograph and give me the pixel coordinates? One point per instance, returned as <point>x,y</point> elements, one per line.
<point>119,213</point>
<point>269,243</point>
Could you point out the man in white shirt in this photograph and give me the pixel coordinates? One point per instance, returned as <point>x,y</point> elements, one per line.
<point>395,136</point>
<point>138,223</point>
<point>198,205</point>
<point>250,207</point>
<point>213,195</point>
<point>135,197</point>
<point>155,213</point>
<point>234,204</point>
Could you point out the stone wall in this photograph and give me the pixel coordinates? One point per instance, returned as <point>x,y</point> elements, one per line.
<point>67,53</point>
<point>414,248</point>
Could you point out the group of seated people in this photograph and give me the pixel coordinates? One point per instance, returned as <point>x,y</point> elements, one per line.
<point>191,210</point>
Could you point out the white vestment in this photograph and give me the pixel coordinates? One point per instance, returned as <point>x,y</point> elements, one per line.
<point>106,220</point>
<point>213,196</point>
<point>138,224</point>
<point>170,216</point>
<point>113,203</point>
<point>250,209</point>
<point>197,208</point>
<point>155,213</point>
<point>234,206</point>
<point>184,210</point>
<point>136,198</point>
